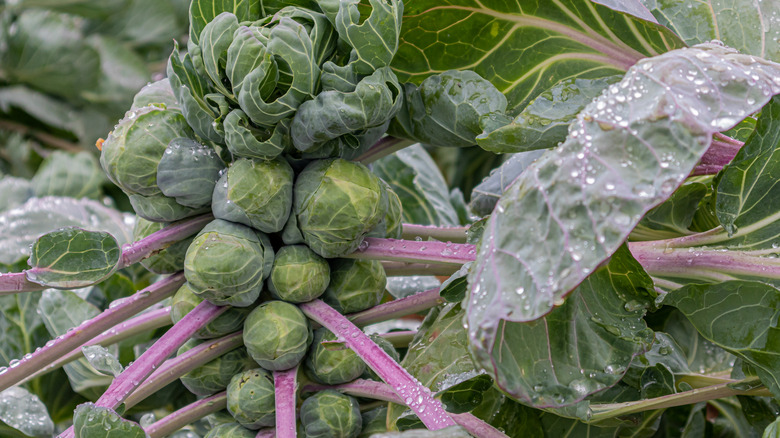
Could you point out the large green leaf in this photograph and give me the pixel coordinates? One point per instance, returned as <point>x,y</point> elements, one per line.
<point>14,192</point>
<point>626,153</point>
<point>90,421</point>
<point>75,175</point>
<point>524,46</point>
<point>203,11</point>
<point>145,22</point>
<point>673,217</point>
<point>748,26</point>
<point>740,317</point>
<point>70,258</point>
<point>25,412</point>
<point>21,327</point>
<point>487,193</point>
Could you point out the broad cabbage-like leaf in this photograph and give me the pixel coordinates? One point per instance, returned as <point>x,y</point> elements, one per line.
<point>25,412</point>
<point>90,421</point>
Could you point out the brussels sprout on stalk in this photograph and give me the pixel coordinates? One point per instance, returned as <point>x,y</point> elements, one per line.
<point>374,421</point>
<point>355,285</point>
<point>255,193</point>
<point>332,367</point>
<point>160,208</point>
<point>188,172</point>
<point>330,414</point>
<point>250,398</point>
<point>230,430</point>
<point>245,140</point>
<point>298,275</point>
<point>213,376</point>
<point>166,261</point>
<point>337,202</point>
<point>185,300</point>
<point>277,335</point>
<point>227,262</point>
<point>391,225</point>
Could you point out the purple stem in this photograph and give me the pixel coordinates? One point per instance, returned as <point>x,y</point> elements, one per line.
<point>721,152</point>
<point>400,269</point>
<point>428,409</point>
<point>285,385</point>
<point>400,339</point>
<point>80,335</point>
<point>397,308</point>
<point>180,365</point>
<point>374,248</point>
<point>454,234</point>
<point>133,253</point>
<point>17,282</point>
<point>382,391</point>
<point>144,322</point>
<point>726,139</point>
<point>382,148</point>
<point>186,415</point>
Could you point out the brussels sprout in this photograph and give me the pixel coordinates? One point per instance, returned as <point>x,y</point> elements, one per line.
<point>168,260</point>
<point>391,225</point>
<point>160,208</point>
<point>250,398</point>
<point>330,414</point>
<point>388,348</point>
<point>355,285</point>
<point>291,234</point>
<point>245,140</point>
<point>132,151</point>
<point>374,421</point>
<point>220,417</point>
<point>332,367</point>
<point>337,202</point>
<point>277,335</point>
<point>213,376</point>
<point>188,172</point>
<point>255,193</point>
<point>230,430</point>
<point>226,263</point>
<point>298,275</point>
<point>185,300</point>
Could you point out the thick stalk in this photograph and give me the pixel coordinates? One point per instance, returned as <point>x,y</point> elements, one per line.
<point>412,251</point>
<point>397,308</point>
<point>180,365</point>
<point>452,234</point>
<point>428,409</point>
<point>382,148</point>
<point>400,269</point>
<point>133,253</point>
<point>80,335</point>
<point>400,339</point>
<point>285,385</point>
<point>17,282</point>
<point>186,415</point>
<point>142,323</point>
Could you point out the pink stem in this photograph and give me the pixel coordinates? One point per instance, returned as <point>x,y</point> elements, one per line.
<point>401,307</point>
<point>17,282</point>
<point>374,248</point>
<point>135,252</point>
<point>454,234</point>
<point>186,415</point>
<point>286,386</point>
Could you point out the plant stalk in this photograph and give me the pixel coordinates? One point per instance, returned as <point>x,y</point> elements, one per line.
<point>82,334</point>
<point>444,234</point>
<point>397,308</point>
<point>186,415</point>
<point>285,386</point>
<point>412,251</point>
<point>133,253</point>
<point>400,339</point>
<point>17,282</point>
<point>400,269</point>
<point>429,410</point>
<point>383,147</point>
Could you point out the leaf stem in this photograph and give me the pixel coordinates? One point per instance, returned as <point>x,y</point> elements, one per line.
<point>401,269</point>
<point>382,148</point>
<point>135,252</point>
<point>186,415</point>
<point>17,282</point>
<point>452,234</point>
<point>88,329</point>
<point>285,386</point>
<point>429,410</point>
<point>400,339</point>
<point>397,308</point>
<point>374,248</point>
<point>180,365</point>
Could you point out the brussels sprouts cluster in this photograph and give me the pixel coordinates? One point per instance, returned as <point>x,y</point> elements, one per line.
<point>258,124</point>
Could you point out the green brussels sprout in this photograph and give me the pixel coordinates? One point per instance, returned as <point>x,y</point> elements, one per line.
<point>255,193</point>
<point>227,262</point>
<point>166,261</point>
<point>133,149</point>
<point>291,235</point>
<point>157,93</point>
<point>355,285</point>
<point>332,367</point>
<point>374,421</point>
<point>277,335</point>
<point>330,414</point>
<point>388,348</point>
<point>185,300</point>
<point>230,430</point>
<point>213,376</point>
<point>298,274</point>
<point>337,202</point>
<point>220,417</point>
<point>188,172</point>
<point>245,140</point>
<point>391,225</point>
<point>160,208</point>
<point>250,398</point>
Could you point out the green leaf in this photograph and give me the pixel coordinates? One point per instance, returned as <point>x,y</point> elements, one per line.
<point>657,381</point>
<point>740,317</point>
<point>72,257</point>
<point>244,54</point>
<point>86,8</point>
<point>374,41</point>
<point>145,23</point>
<point>673,218</point>
<point>102,360</point>
<point>581,347</point>
<point>43,107</point>
<point>215,39</point>
<point>90,421</point>
<point>418,182</point>
<point>25,412</point>
<point>454,288</point>
<point>524,49</point>
<point>459,395</point>
<point>773,430</point>
<point>746,25</point>
<point>245,140</point>
<point>14,192</point>
<point>122,73</point>
<point>74,175</point>
<point>21,327</point>
<point>730,419</point>
<point>545,121</point>
<point>204,11</point>
<point>627,152</point>
<point>486,194</point>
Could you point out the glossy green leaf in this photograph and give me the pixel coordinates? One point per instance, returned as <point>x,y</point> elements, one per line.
<point>730,419</point>
<point>72,257</point>
<point>673,218</point>
<point>90,421</point>
<point>773,430</point>
<point>748,26</point>
<point>463,396</point>
<point>204,11</point>
<point>245,140</point>
<point>75,175</point>
<point>102,359</point>
<point>627,152</point>
<point>374,41</point>
<point>418,182</point>
<point>700,355</point>
<point>657,381</point>
<point>739,316</point>
<point>486,194</point>
<point>454,288</point>
<point>545,121</point>
<point>245,53</point>
<point>215,39</point>
<point>524,48</point>
<point>24,411</point>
